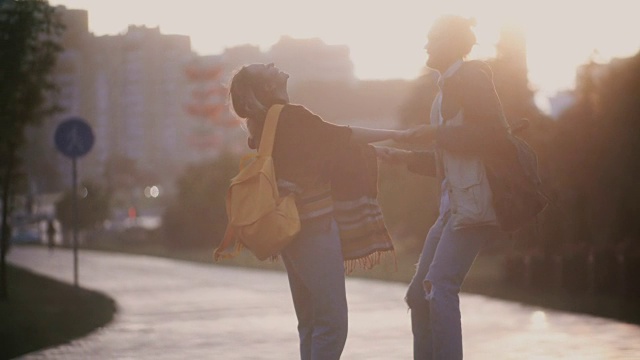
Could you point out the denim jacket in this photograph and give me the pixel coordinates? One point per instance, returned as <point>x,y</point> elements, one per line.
<point>470,120</point>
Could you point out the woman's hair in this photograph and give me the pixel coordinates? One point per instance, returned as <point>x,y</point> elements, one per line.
<point>457,30</point>
<point>242,93</point>
<point>245,103</point>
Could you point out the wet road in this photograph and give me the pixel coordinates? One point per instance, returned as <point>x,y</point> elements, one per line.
<point>169,309</point>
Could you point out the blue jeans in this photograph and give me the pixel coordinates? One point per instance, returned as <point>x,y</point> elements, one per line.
<point>432,296</point>
<point>316,276</point>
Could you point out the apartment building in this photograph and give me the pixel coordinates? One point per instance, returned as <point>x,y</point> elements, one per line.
<point>140,91</point>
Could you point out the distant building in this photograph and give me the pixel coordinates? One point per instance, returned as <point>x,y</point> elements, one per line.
<point>70,76</point>
<point>132,89</point>
<point>238,56</point>
<point>312,60</point>
<point>139,91</point>
<point>150,98</point>
<point>304,59</point>
<point>212,127</point>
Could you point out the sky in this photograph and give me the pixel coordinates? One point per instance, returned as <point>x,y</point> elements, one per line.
<point>386,38</point>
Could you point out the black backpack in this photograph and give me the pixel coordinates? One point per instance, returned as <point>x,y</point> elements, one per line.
<point>512,165</point>
<point>515,182</point>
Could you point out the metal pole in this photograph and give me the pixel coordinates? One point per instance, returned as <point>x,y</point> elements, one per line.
<point>75,223</point>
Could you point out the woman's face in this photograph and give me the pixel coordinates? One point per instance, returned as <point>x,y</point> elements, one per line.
<point>267,72</point>
<point>270,83</point>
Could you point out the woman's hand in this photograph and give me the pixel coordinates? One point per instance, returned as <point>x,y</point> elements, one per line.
<point>393,155</point>
<point>418,134</point>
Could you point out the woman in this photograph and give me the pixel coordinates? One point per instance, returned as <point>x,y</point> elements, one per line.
<point>333,173</point>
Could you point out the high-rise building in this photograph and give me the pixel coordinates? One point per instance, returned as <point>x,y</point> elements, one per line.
<point>139,90</point>
<point>42,160</point>
<point>150,99</point>
<point>131,88</point>
<point>312,60</point>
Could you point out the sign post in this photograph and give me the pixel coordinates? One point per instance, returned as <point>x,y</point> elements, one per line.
<point>74,138</point>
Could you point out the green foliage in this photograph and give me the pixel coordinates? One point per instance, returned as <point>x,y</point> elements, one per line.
<point>596,151</point>
<point>510,76</point>
<point>121,177</point>
<point>44,313</point>
<point>93,207</point>
<point>120,171</point>
<point>197,216</point>
<point>416,108</point>
<point>409,203</point>
<point>29,35</point>
<point>29,44</point>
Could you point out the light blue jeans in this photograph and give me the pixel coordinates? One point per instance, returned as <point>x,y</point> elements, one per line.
<point>316,276</point>
<point>432,296</point>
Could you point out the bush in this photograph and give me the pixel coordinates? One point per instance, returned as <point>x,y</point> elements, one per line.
<point>409,203</point>
<point>197,215</point>
<point>93,207</point>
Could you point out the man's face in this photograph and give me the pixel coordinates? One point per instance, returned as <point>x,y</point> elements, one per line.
<point>439,54</point>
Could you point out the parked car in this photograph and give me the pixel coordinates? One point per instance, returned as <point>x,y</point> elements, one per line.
<point>25,235</point>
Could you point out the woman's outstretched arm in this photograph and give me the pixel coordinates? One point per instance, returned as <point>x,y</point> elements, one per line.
<point>367,135</point>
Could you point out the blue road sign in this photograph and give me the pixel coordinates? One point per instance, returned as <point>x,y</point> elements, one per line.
<point>74,137</point>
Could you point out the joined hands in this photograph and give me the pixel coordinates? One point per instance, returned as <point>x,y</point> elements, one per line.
<point>424,134</point>
<point>393,155</point>
<point>419,134</point>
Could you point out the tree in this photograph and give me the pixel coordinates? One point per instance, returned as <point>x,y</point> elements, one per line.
<point>120,174</point>
<point>29,44</point>
<point>93,207</point>
<point>598,146</point>
<point>416,107</point>
<point>409,201</point>
<point>510,76</point>
<point>197,216</point>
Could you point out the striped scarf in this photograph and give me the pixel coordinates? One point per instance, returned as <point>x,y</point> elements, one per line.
<point>351,196</point>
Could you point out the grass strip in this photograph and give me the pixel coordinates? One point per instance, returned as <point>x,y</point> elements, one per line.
<point>41,312</point>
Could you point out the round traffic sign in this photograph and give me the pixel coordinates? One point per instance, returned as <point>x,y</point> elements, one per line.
<point>74,137</point>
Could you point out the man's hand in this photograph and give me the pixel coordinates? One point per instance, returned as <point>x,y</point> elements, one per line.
<point>420,134</point>
<point>393,155</point>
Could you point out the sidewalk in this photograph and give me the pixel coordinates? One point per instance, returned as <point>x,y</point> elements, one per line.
<point>169,309</point>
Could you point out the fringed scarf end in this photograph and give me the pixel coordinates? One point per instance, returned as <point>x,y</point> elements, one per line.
<point>368,262</point>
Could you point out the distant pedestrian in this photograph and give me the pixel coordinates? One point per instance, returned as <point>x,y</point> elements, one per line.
<point>466,124</point>
<point>333,173</point>
<point>51,235</point>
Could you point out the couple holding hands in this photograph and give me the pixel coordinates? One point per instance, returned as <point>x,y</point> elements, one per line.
<point>333,169</point>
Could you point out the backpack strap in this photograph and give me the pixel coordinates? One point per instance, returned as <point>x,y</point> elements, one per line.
<point>269,130</point>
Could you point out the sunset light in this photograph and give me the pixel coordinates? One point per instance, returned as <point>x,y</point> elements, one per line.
<point>319,179</point>
<point>386,39</point>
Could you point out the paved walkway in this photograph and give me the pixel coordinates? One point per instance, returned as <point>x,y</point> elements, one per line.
<point>177,310</point>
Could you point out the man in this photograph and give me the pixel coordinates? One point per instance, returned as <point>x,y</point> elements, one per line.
<point>465,126</point>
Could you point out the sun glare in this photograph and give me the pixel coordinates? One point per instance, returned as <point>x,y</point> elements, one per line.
<point>386,39</point>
